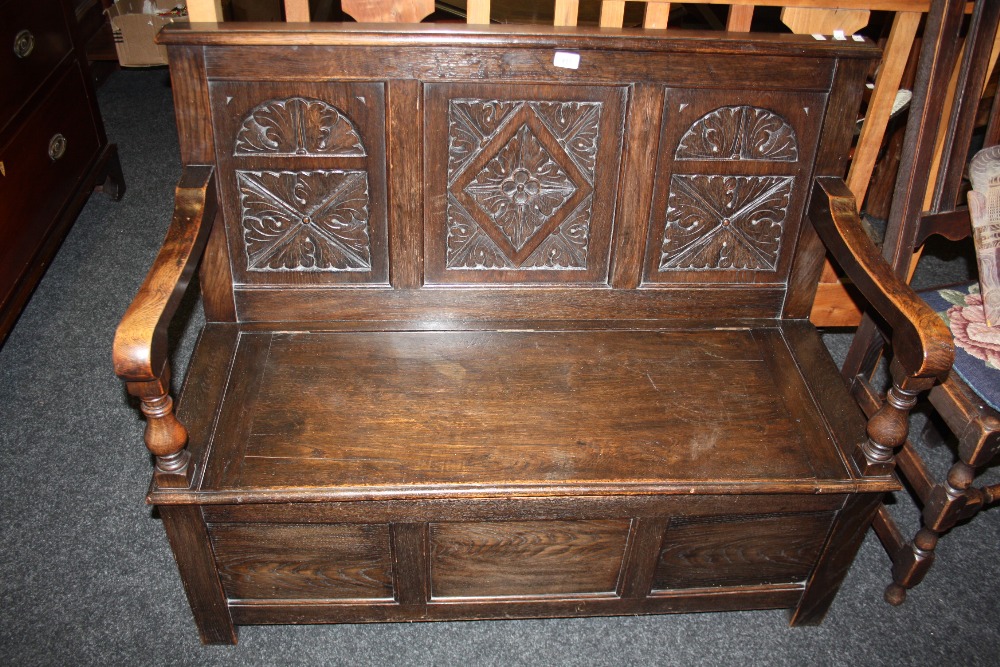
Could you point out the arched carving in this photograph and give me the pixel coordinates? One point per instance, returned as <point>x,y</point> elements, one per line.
<point>298,126</point>
<point>739,133</point>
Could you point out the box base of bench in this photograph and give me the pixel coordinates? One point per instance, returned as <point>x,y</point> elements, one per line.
<point>347,476</point>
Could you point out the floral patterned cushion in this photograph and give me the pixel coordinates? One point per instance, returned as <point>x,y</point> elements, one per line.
<point>977,346</point>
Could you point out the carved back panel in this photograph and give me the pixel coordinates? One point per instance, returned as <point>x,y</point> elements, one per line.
<point>433,174</point>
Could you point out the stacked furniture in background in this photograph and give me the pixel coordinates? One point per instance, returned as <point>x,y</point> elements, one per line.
<point>913,219</point>
<point>53,149</point>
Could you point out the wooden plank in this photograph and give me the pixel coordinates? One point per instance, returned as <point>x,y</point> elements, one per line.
<point>199,400</point>
<point>740,550</point>
<point>844,100</point>
<point>196,562</point>
<point>414,512</point>
<point>381,11</point>
<point>410,561</point>
<point>639,568</point>
<point>506,558</point>
<point>636,194</point>
<point>807,21</point>
<point>612,13</point>
<point>405,154</point>
<point>656,16</point>
<point>842,544</point>
<point>566,12</point>
<point>205,11</point>
<point>287,561</point>
<point>573,303</point>
<point>512,416</point>
<point>477,12</point>
<point>740,18</point>
<point>897,53</point>
<point>719,599</point>
<point>972,80</point>
<point>297,11</point>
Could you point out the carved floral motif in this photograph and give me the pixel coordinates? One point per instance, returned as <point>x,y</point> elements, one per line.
<point>565,248</point>
<point>520,180</point>
<point>305,220</point>
<point>298,126</point>
<point>724,222</point>
<point>521,187</point>
<point>739,133</point>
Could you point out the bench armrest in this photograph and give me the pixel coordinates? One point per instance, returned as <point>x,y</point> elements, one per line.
<point>140,347</point>
<point>921,342</point>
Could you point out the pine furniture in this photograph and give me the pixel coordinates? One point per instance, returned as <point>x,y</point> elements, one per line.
<point>496,333</point>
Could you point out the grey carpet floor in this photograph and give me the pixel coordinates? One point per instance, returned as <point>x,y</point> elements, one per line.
<point>88,578</point>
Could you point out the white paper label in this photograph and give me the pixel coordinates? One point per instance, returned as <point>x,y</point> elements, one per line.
<point>839,35</point>
<point>566,59</point>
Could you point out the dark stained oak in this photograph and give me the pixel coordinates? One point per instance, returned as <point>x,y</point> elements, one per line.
<point>494,338</point>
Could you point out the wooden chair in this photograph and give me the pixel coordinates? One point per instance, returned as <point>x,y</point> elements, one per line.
<point>913,219</point>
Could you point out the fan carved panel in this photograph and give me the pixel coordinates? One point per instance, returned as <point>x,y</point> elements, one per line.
<point>724,222</point>
<point>298,126</point>
<point>520,183</point>
<point>739,133</point>
<point>305,220</point>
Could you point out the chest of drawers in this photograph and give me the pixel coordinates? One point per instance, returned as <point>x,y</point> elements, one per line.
<point>53,148</point>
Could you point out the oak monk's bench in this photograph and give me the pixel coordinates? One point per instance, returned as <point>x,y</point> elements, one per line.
<point>490,336</point>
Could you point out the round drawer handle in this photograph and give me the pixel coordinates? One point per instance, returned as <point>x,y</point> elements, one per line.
<point>24,44</point>
<point>57,146</point>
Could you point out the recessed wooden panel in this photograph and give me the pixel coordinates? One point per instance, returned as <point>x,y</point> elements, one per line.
<point>740,551</point>
<point>733,174</point>
<point>303,182</point>
<point>286,561</point>
<point>521,183</point>
<point>526,557</point>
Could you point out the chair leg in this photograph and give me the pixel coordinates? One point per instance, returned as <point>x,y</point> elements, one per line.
<point>113,184</point>
<point>948,503</point>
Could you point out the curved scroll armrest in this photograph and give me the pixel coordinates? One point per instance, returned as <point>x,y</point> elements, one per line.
<point>140,348</point>
<point>921,342</point>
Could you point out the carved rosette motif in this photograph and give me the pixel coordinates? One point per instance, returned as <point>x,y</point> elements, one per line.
<point>298,126</point>
<point>739,133</point>
<point>724,222</point>
<point>520,183</point>
<point>305,220</point>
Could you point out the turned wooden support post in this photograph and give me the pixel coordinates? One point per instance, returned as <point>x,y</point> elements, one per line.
<point>889,427</point>
<point>165,437</point>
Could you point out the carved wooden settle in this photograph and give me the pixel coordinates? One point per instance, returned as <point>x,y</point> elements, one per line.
<point>493,338</point>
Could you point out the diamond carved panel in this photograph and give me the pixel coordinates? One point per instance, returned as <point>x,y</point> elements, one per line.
<point>724,222</point>
<point>305,220</point>
<point>520,183</point>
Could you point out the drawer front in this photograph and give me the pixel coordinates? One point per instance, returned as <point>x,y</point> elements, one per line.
<point>34,38</point>
<point>34,186</point>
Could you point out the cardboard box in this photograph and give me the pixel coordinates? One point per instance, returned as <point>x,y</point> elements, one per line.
<point>134,31</point>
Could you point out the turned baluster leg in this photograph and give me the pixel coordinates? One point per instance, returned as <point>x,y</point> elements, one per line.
<point>889,427</point>
<point>943,510</point>
<point>165,437</point>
